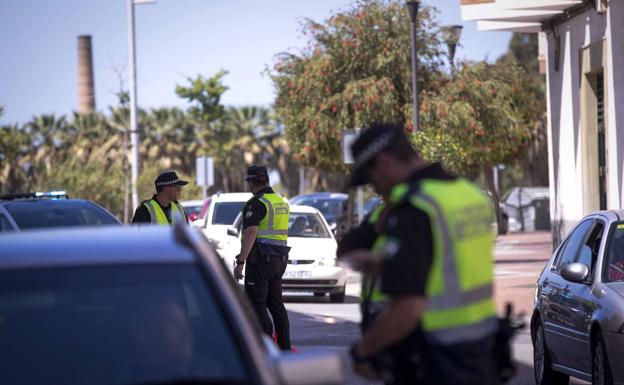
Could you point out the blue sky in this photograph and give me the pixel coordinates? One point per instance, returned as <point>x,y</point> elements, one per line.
<point>175,39</point>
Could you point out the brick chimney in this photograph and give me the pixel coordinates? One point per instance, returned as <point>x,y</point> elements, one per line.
<point>86,89</point>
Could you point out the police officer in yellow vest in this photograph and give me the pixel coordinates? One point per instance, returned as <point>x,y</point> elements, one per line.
<point>264,252</point>
<point>163,208</point>
<point>432,258</point>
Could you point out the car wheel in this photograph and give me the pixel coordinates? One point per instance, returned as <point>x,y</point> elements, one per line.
<point>544,374</point>
<point>337,297</point>
<point>317,294</point>
<point>601,372</point>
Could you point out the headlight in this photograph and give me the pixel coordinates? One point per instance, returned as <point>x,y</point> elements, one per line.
<point>328,262</point>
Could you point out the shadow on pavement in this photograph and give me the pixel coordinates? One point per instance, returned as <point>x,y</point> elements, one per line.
<point>303,298</point>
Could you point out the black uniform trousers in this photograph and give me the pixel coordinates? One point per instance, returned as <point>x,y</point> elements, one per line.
<point>263,285</point>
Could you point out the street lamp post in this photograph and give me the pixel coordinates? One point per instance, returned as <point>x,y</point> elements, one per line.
<point>134,132</point>
<point>451,35</point>
<point>412,8</point>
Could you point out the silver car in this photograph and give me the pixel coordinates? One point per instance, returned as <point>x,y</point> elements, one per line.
<point>577,326</point>
<point>150,305</point>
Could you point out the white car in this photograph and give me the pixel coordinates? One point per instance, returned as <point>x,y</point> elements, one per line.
<point>222,212</point>
<point>193,210</point>
<point>312,264</point>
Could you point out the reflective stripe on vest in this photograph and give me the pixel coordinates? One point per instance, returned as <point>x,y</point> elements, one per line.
<point>157,215</point>
<point>273,228</point>
<point>460,306</point>
<point>370,286</point>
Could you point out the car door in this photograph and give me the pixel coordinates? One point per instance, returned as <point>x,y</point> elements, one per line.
<point>557,322</point>
<point>578,302</point>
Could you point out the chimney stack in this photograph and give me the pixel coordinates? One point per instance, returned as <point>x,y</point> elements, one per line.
<point>86,89</point>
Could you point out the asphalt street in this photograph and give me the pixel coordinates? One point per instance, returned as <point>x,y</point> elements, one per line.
<point>317,324</point>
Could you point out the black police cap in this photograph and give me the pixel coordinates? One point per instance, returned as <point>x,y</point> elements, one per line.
<point>256,172</point>
<point>169,178</point>
<point>371,141</point>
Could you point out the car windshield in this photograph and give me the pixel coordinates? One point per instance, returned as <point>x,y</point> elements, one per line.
<point>306,225</point>
<point>615,254</point>
<point>330,208</point>
<point>113,325</point>
<point>32,214</point>
<point>225,212</point>
<point>192,209</point>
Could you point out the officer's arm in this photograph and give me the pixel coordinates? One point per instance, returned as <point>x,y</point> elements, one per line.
<point>398,320</point>
<point>249,237</point>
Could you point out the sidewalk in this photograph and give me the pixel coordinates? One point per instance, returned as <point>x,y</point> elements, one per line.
<point>519,259</point>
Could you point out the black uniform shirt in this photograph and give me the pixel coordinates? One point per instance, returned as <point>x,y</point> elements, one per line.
<point>254,210</point>
<point>142,215</point>
<point>407,262</point>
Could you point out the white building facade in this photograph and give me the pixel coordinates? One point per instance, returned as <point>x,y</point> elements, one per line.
<point>582,53</point>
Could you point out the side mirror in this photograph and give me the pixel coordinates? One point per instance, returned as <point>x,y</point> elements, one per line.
<point>311,368</point>
<point>333,227</point>
<point>575,272</point>
<point>233,231</point>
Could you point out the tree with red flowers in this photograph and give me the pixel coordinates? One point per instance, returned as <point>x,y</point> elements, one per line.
<point>355,71</point>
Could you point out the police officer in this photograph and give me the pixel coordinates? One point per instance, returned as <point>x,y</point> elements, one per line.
<point>163,208</point>
<point>432,258</point>
<point>264,251</point>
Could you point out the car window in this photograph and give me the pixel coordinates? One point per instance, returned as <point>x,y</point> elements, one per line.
<point>192,210</point>
<point>589,251</point>
<point>114,325</point>
<point>57,213</point>
<point>330,208</point>
<point>5,225</point>
<point>614,258</point>
<point>306,225</point>
<point>225,212</point>
<point>572,245</point>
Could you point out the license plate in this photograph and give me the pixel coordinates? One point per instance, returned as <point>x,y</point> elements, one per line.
<point>298,274</point>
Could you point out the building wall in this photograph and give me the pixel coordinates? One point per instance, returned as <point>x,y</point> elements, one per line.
<point>586,42</point>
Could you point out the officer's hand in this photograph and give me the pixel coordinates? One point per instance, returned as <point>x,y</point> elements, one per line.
<point>366,370</point>
<point>361,260</point>
<point>238,272</point>
<point>362,366</point>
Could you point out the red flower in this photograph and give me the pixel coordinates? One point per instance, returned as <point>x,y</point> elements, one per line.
<point>312,125</point>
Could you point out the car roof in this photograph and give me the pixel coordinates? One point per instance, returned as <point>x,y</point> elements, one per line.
<point>81,246</point>
<point>43,200</point>
<point>613,215</point>
<point>294,209</point>
<point>193,202</point>
<point>326,195</point>
<point>232,197</point>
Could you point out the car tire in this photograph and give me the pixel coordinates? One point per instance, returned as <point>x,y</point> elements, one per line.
<point>317,294</point>
<point>601,372</point>
<point>542,370</point>
<point>337,297</point>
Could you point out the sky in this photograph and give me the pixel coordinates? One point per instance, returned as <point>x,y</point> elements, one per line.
<point>175,39</point>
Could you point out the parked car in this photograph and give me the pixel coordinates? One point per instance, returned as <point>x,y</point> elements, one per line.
<point>333,206</point>
<point>222,211</point>
<point>312,264</point>
<point>577,325</point>
<point>196,209</point>
<point>27,211</point>
<point>151,305</point>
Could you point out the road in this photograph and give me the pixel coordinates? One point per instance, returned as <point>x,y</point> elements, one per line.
<point>317,324</point>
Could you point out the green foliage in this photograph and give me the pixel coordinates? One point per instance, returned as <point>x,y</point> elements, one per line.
<point>476,120</point>
<point>205,94</point>
<point>355,71</point>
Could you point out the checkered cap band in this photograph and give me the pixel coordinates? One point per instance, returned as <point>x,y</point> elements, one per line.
<point>169,182</point>
<point>374,148</point>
